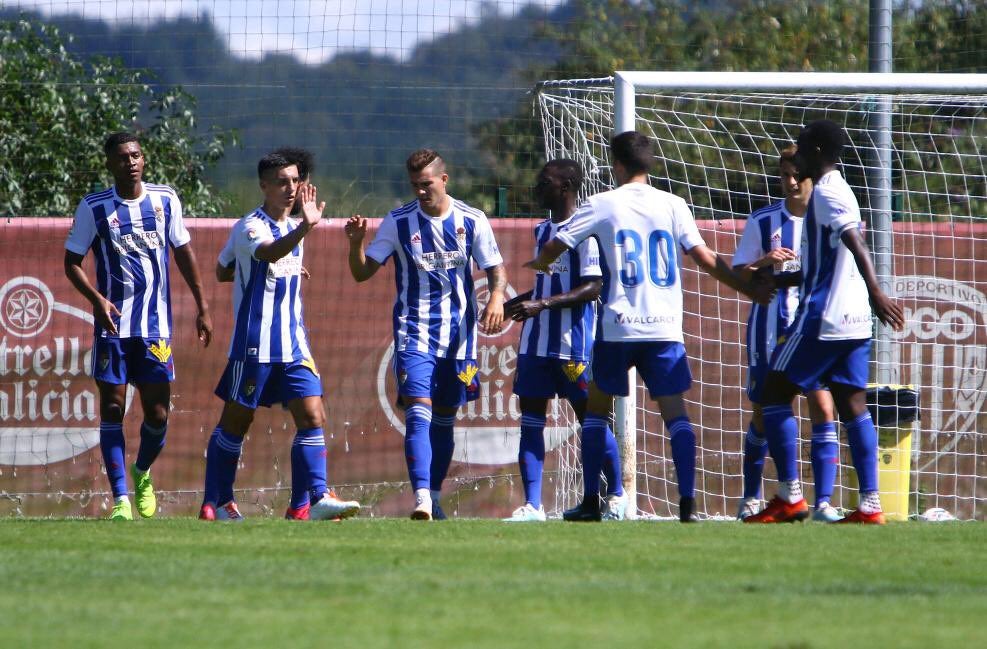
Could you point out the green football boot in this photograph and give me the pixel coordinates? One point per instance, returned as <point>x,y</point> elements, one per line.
<point>144,498</point>
<point>121,510</point>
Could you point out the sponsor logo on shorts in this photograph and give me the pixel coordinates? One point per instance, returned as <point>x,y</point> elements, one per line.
<point>573,370</point>
<point>468,373</point>
<point>161,350</point>
<point>310,364</point>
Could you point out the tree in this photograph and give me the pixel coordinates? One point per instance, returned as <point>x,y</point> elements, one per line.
<point>56,110</point>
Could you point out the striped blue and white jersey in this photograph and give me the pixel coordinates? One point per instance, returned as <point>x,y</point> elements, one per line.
<point>435,311</point>
<point>566,334</point>
<point>640,231</point>
<point>267,299</point>
<point>130,240</point>
<point>834,303</point>
<point>767,229</point>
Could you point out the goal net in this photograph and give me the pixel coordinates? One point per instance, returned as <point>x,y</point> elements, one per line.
<point>718,149</point>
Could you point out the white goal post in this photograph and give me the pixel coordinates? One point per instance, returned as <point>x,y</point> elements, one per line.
<point>917,163</point>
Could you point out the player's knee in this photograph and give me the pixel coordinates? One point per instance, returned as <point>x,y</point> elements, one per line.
<point>236,422</point>
<point>156,417</point>
<point>312,419</point>
<point>111,412</point>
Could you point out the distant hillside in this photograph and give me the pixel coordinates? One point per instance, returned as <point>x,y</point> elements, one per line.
<point>360,113</point>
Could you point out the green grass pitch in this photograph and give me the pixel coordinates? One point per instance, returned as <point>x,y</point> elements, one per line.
<point>177,583</point>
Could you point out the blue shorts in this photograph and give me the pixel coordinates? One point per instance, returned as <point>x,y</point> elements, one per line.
<point>662,365</point>
<point>809,362</point>
<point>253,384</point>
<point>132,360</point>
<point>448,382</point>
<point>538,377</point>
<point>757,376</point>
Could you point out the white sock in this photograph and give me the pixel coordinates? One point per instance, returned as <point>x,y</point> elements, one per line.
<point>791,491</point>
<point>121,499</point>
<point>422,495</point>
<point>870,502</point>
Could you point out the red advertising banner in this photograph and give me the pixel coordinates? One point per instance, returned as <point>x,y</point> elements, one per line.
<point>49,456</point>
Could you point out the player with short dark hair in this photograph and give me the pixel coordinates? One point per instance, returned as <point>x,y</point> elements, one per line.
<point>640,230</point>
<point>131,228</point>
<point>829,340</point>
<point>559,317</point>
<point>304,160</point>
<point>769,249</point>
<point>269,359</point>
<point>434,241</point>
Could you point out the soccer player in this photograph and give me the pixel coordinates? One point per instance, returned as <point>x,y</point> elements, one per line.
<point>640,230</point>
<point>269,358</point>
<point>305,161</point>
<point>770,247</point>
<point>434,241</point>
<point>829,341</point>
<point>559,318</point>
<point>130,228</point>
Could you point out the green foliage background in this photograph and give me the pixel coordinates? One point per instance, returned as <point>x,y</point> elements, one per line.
<point>466,93</point>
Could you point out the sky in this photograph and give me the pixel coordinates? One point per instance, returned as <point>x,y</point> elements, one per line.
<point>314,31</point>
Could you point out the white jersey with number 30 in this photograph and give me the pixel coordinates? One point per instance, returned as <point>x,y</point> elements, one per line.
<point>640,231</point>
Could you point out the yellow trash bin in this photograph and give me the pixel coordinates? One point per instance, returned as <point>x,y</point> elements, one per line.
<point>895,411</point>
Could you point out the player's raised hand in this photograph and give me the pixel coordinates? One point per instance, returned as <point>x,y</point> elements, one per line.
<point>356,228</point>
<point>311,211</point>
<point>888,311</point>
<point>305,274</point>
<point>104,313</point>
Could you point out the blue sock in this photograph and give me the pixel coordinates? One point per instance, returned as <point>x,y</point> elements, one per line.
<point>825,458</point>
<point>862,437</point>
<point>417,446</point>
<point>114,449</point>
<point>308,467</point>
<point>683,440</point>
<point>443,444</point>
<point>222,458</point>
<point>531,456</point>
<point>781,431</point>
<point>594,444</point>
<point>755,450</point>
<point>611,465</point>
<point>152,441</point>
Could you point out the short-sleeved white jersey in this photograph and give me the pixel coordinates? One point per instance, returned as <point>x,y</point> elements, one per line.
<point>130,240</point>
<point>640,231</point>
<point>267,299</point>
<point>769,228</point>
<point>435,311</point>
<point>834,303</point>
<point>566,334</point>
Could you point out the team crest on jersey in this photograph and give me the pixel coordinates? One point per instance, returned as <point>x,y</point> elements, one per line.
<point>159,213</point>
<point>252,234</point>
<point>461,233</point>
<point>573,370</point>
<point>161,350</point>
<point>467,375</point>
<point>310,364</point>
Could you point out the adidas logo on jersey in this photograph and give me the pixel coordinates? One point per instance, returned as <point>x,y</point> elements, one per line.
<point>416,238</point>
